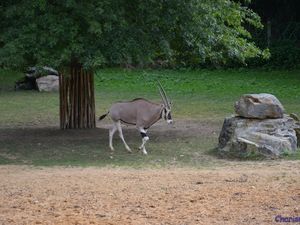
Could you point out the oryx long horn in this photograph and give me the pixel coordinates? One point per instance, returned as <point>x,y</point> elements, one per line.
<point>163,94</point>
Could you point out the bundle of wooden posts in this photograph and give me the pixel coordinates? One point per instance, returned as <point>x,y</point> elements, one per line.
<point>77,101</point>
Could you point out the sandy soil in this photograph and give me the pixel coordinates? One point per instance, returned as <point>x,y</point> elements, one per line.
<point>235,194</point>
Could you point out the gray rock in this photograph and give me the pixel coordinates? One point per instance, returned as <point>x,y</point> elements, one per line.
<point>269,137</point>
<point>29,81</point>
<point>296,117</point>
<point>298,134</point>
<point>41,71</point>
<point>260,106</point>
<point>26,83</point>
<point>48,83</point>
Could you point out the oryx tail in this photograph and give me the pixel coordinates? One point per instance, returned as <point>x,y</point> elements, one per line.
<point>103,116</point>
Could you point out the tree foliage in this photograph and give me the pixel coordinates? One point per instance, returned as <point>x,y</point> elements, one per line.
<point>281,34</point>
<point>117,32</point>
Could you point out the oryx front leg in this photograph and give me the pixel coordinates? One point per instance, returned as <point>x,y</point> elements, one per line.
<point>118,124</point>
<point>145,138</point>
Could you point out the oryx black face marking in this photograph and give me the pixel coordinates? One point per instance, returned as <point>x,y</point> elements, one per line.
<point>169,117</point>
<point>165,113</point>
<point>143,134</point>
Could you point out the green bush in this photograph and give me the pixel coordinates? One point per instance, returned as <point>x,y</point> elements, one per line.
<point>285,54</point>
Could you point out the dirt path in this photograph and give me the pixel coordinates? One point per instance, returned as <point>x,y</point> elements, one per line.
<point>237,194</point>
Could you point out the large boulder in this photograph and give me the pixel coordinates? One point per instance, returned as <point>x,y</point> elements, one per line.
<point>270,137</point>
<point>48,83</point>
<point>260,106</point>
<point>32,74</point>
<point>296,118</point>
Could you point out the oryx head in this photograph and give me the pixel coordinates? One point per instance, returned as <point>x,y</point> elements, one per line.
<point>166,103</point>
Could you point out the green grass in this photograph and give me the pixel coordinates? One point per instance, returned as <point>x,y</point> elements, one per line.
<point>202,94</point>
<point>292,156</point>
<point>29,131</point>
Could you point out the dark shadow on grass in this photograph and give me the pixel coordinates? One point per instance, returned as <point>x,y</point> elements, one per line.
<point>50,146</point>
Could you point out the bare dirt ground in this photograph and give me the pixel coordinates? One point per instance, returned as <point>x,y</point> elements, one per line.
<point>236,193</point>
<point>252,193</point>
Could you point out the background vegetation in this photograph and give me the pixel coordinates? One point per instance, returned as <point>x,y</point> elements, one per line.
<point>114,32</point>
<point>196,94</point>
<point>283,21</point>
<point>29,132</point>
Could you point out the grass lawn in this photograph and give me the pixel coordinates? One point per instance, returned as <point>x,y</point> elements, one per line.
<point>29,120</point>
<point>203,94</point>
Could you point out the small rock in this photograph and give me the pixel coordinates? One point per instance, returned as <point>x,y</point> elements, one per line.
<point>48,83</point>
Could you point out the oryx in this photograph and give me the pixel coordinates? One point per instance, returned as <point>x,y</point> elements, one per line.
<point>141,113</point>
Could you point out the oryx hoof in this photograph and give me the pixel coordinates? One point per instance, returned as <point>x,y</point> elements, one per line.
<point>129,150</point>
<point>112,149</point>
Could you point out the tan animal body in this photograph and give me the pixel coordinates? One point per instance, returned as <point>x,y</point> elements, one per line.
<point>139,112</point>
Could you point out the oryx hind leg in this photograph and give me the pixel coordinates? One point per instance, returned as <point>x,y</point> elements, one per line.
<point>112,130</point>
<point>118,124</point>
<point>145,138</point>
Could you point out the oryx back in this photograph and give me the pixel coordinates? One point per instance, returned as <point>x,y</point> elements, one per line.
<point>140,112</point>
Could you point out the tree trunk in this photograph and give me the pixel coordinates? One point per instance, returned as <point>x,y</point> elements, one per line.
<point>269,33</point>
<point>77,101</point>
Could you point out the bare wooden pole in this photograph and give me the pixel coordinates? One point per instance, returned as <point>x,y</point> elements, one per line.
<point>81,95</point>
<point>269,32</point>
<point>76,98</point>
<point>61,101</point>
<point>85,99</point>
<point>93,122</point>
<point>71,100</point>
<point>67,102</point>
